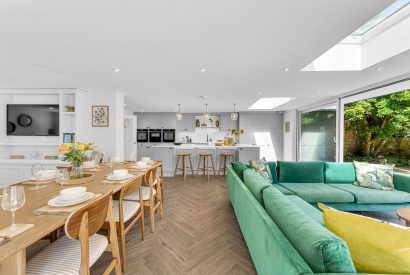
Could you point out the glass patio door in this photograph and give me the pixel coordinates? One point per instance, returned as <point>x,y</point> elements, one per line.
<point>317,140</point>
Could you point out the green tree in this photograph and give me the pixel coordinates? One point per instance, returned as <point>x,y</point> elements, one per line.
<point>379,119</point>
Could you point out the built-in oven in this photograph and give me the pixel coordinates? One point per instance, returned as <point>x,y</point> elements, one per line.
<point>142,135</point>
<point>168,135</point>
<point>155,135</point>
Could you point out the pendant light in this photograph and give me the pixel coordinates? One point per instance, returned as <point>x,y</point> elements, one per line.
<point>207,115</point>
<point>179,114</point>
<point>234,115</point>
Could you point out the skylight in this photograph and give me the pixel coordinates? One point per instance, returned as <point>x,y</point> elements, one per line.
<point>268,103</point>
<point>386,13</point>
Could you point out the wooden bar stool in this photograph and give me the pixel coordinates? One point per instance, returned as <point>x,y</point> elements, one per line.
<point>224,157</point>
<point>205,156</point>
<point>184,156</point>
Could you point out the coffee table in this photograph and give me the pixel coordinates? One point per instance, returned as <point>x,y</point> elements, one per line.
<point>404,213</point>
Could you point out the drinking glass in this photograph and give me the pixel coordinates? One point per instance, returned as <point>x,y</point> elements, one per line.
<point>36,172</point>
<point>62,175</point>
<point>13,199</point>
<point>111,164</point>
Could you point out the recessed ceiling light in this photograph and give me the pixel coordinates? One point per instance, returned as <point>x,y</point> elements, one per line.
<point>116,70</point>
<point>285,69</point>
<point>259,93</point>
<point>319,92</point>
<point>379,69</point>
<point>268,103</point>
<point>202,70</point>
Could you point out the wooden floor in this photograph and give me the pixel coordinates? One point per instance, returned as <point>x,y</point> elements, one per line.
<point>198,235</point>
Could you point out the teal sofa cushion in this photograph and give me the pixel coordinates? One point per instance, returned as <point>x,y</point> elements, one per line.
<point>368,195</point>
<point>309,209</point>
<point>283,189</point>
<point>339,172</point>
<point>271,252</point>
<point>322,250</point>
<point>255,183</point>
<point>318,192</point>
<point>239,167</point>
<point>303,172</point>
<point>273,170</point>
<point>401,182</point>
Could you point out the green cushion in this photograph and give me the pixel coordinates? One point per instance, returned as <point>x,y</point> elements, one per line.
<point>282,189</point>
<point>309,209</point>
<point>272,167</point>
<point>322,250</point>
<point>239,167</point>
<point>304,172</point>
<point>339,172</point>
<point>255,183</point>
<point>401,182</point>
<point>271,252</point>
<point>368,195</point>
<point>318,192</point>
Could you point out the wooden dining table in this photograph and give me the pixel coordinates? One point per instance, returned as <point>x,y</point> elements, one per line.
<point>13,251</point>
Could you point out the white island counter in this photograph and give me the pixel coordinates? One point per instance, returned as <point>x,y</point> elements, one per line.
<point>167,153</point>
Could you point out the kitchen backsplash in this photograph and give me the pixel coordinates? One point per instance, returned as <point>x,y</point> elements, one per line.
<point>199,136</point>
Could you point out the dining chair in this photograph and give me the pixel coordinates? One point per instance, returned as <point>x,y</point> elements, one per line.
<point>81,247</point>
<point>151,195</point>
<point>127,211</point>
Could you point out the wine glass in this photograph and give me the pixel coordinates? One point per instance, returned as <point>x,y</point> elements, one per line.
<point>111,163</point>
<point>62,175</point>
<point>13,199</point>
<point>36,172</point>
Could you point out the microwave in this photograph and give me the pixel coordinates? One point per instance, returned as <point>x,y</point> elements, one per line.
<point>142,135</point>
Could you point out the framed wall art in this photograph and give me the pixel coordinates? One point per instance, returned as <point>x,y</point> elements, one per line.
<point>100,116</point>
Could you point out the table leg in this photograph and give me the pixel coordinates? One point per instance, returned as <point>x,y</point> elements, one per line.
<point>14,264</point>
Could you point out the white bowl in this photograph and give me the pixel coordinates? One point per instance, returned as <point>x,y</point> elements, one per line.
<point>141,164</point>
<point>120,173</point>
<point>145,159</point>
<point>88,164</point>
<point>48,174</point>
<point>73,193</point>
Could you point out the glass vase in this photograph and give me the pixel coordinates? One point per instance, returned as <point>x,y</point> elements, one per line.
<point>76,172</point>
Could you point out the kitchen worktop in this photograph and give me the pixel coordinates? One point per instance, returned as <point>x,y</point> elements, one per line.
<point>188,146</point>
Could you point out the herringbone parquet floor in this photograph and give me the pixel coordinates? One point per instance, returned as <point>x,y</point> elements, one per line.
<point>198,235</point>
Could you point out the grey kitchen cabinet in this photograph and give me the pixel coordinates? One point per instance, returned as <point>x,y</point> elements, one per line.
<point>249,153</point>
<point>168,121</point>
<point>144,150</point>
<point>227,123</point>
<point>166,154</point>
<point>157,121</point>
<point>187,123</point>
<point>142,122</point>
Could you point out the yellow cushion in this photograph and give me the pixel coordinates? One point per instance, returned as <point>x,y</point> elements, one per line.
<point>375,246</point>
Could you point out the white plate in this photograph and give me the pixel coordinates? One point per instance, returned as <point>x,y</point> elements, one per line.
<point>59,202</point>
<point>42,179</point>
<point>112,177</point>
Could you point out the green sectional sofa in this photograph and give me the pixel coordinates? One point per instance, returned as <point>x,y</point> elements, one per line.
<point>281,225</point>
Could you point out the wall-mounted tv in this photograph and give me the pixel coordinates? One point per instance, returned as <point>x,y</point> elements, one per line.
<point>32,120</point>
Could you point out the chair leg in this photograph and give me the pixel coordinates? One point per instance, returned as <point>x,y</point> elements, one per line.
<point>213,166</point>
<point>190,163</point>
<point>205,164</point>
<point>220,165</point>
<point>152,215</point>
<point>184,167</point>
<point>207,167</point>
<point>197,167</point>
<point>123,251</point>
<point>224,165</point>
<point>161,209</point>
<point>142,219</point>
<point>176,167</point>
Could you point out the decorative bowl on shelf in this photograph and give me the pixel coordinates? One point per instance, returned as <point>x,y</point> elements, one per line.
<point>70,109</point>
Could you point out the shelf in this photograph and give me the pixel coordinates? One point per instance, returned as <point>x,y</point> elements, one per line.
<point>28,144</point>
<point>68,113</point>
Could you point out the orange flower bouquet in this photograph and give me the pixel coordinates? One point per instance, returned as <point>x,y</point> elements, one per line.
<point>75,154</point>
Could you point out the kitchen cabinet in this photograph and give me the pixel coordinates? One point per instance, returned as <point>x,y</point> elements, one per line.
<point>166,154</point>
<point>249,153</point>
<point>227,123</point>
<point>157,121</point>
<point>168,121</point>
<point>187,123</point>
<point>144,150</point>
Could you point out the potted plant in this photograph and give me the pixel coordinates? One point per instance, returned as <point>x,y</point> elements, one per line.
<point>74,153</point>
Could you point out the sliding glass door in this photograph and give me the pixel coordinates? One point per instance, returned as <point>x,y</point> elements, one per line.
<point>317,140</point>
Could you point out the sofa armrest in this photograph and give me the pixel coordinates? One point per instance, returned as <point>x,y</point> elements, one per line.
<point>401,182</point>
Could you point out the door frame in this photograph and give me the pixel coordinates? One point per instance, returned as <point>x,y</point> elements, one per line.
<point>133,125</point>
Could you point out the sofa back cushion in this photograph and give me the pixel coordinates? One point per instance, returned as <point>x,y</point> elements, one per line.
<point>301,172</point>
<point>239,167</point>
<point>255,183</point>
<point>323,251</point>
<point>339,172</point>
<point>273,170</point>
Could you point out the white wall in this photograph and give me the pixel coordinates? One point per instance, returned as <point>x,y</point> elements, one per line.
<point>106,138</point>
<point>289,139</point>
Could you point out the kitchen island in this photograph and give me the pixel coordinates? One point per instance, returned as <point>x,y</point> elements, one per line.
<point>167,152</point>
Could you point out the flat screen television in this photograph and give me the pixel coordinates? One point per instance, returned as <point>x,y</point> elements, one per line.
<point>32,120</point>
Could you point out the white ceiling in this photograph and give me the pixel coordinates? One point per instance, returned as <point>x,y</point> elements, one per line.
<point>160,47</point>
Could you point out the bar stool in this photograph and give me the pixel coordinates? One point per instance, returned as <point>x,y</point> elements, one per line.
<point>184,155</point>
<point>224,157</point>
<point>205,156</point>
